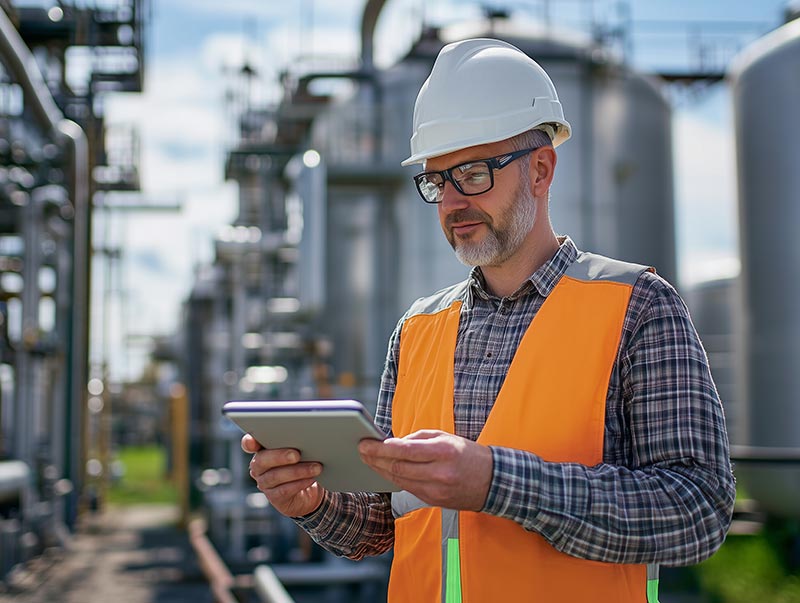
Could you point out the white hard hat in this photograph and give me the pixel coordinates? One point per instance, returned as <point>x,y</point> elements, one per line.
<point>481,91</point>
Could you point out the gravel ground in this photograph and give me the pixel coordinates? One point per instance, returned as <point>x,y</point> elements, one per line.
<point>124,555</point>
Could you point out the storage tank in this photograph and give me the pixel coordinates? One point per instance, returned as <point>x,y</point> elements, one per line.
<point>766,98</point>
<point>714,305</point>
<point>612,194</point>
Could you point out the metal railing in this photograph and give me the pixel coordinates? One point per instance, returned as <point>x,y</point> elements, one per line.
<point>765,454</point>
<point>219,577</point>
<point>268,588</point>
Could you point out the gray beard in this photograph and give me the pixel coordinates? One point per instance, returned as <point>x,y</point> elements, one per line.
<point>500,243</point>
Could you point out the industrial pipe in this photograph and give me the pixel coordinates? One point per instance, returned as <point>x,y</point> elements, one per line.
<point>765,454</point>
<point>15,478</point>
<point>268,588</point>
<point>22,65</point>
<point>221,581</point>
<point>369,20</point>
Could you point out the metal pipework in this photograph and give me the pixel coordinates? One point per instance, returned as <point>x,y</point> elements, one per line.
<point>765,454</point>
<point>15,478</point>
<point>22,66</point>
<point>369,19</point>
<point>268,588</point>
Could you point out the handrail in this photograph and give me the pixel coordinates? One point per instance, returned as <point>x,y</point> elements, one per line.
<point>219,577</point>
<point>765,454</point>
<point>268,588</point>
<point>15,477</point>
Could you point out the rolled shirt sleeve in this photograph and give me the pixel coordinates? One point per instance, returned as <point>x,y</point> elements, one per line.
<point>352,524</point>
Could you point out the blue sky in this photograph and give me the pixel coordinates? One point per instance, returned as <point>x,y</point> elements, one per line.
<point>193,45</point>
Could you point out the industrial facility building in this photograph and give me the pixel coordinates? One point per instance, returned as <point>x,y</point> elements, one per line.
<point>54,165</point>
<point>329,247</point>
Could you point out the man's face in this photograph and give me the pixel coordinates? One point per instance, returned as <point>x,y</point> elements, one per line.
<point>487,229</point>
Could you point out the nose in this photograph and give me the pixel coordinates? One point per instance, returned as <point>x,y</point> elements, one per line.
<point>452,199</point>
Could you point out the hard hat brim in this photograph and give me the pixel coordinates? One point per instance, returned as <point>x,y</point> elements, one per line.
<point>562,128</point>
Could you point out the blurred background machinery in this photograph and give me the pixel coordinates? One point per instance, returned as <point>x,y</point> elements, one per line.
<point>329,246</point>
<point>56,64</point>
<point>748,322</point>
<point>331,243</point>
<point>764,82</point>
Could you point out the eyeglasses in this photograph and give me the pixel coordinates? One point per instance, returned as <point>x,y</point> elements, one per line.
<point>471,178</point>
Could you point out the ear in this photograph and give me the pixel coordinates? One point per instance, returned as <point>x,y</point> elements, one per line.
<point>542,169</point>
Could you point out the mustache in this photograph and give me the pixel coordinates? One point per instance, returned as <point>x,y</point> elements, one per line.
<point>470,214</point>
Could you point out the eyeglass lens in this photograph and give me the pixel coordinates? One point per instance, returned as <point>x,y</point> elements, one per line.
<point>470,178</point>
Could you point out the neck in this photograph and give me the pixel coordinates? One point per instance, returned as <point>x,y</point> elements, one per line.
<point>502,280</point>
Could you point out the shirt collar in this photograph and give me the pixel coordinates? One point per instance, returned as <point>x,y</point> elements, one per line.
<point>543,280</point>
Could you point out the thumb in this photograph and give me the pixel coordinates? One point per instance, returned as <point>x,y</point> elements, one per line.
<point>249,444</point>
<point>425,434</point>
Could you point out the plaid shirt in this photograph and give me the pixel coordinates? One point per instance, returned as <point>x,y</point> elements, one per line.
<point>664,492</point>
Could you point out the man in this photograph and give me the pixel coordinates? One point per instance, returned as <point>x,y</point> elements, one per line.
<point>556,430</point>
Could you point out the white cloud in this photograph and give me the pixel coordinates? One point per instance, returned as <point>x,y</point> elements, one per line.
<point>182,129</point>
<point>290,46</point>
<point>234,8</point>
<point>706,266</point>
<point>272,11</point>
<point>228,50</point>
<point>181,105</point>
<point>163,172</point>
<point>161,252</point>
<point>705,160</point>
<point>705,195</point>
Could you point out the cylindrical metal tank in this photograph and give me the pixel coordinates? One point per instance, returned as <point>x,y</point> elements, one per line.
<point>612,193</point>
<point>714,305</point>
<point>613,190</point>
<point>766,99</point>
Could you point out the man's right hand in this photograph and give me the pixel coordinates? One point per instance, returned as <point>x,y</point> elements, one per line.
<point>289,485</point>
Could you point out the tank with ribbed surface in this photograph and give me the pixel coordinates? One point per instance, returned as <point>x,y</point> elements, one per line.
<point>766,99</point>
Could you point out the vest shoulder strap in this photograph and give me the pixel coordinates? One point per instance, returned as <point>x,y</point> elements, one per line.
<point>441,300</point>
<point>593,267</point>
<point>587,267</point>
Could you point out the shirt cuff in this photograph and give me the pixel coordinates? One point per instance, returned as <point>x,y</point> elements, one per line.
<point>319,521</point>
<point>514,490</point>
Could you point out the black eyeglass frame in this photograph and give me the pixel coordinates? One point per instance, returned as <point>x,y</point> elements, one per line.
<point>494,163</point>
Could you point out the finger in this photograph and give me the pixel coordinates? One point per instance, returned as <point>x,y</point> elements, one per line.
<point>394,469</point>
<point>419,451</point>
<point>422,434</point>
<point>287,490</point>
<point>266,459</point>
<point>249,444</point>
<point>287,474</point>
<point>426,434</point>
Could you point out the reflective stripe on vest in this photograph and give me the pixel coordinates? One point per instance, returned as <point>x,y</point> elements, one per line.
<point>405,502</point>
<point>552,403</point>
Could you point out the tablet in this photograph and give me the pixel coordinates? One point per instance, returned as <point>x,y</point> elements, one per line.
<point>326,431</point>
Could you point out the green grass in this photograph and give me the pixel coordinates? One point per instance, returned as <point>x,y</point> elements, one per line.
<point>752,569</point>
<point>145,478</point>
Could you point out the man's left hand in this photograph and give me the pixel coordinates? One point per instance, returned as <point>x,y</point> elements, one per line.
<point>440,468</point>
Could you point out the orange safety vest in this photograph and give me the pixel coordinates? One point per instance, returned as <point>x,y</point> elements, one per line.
<point>552,403</point>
